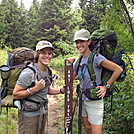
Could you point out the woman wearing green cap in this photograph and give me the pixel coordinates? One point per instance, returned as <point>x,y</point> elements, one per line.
<point>32,88</point>
<point>92,110</point>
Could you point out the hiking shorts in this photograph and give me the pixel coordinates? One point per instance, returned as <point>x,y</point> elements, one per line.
<point>94,111</point>
<point>29,125</point>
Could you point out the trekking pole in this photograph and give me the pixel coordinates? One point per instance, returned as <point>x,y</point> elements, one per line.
<point>0,104</point>
<point>80,112</point>
<point>68,96</point>
<point>7,120</point>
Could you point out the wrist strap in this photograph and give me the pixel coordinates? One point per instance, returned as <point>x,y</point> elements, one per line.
<point>61,91</point>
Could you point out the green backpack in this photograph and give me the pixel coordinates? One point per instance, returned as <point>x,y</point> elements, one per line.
<point>104,42</point>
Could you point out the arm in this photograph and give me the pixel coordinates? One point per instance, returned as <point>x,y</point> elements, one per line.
<point>54,91</point>
<point>112,67</point>
<point>20,92</point>
<point>116,72</point>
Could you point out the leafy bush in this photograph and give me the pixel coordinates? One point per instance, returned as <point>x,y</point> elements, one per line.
<point>120,119</point>
<point>3,57</point>
<point>63,48</point>
<point>59,61</point>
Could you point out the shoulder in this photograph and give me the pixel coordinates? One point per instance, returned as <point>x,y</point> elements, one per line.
<point>76,61</point>
<point>98,59</point>
<point>76,64</point>
<point>99,56</point>
<point>27,72</point>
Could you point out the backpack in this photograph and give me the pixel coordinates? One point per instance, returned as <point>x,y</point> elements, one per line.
<point>104,42</point>
<point>18,60</point>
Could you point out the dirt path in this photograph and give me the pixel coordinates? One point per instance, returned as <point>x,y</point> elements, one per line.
<point>53,116</point>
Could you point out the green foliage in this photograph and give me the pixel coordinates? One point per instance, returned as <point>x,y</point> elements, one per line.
<point>11,122</point>
<point>59,61</point>
<point>62,48</point>
<point>52,15</point>
<point>13,23</point>
<point>120,118</point>
<point>4,56</point>
<point>92,12</point>
<point>42,22</point>
<point>115,19</point>
<point>32,25</point>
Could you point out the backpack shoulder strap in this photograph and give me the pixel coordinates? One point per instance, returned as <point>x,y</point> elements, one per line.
<point>32,67</point>
<point>78,64</point>
<point>90,65</point>
<point>50,73</point>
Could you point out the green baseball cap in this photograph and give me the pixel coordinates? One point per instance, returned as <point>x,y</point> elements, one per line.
<point>82,35</point>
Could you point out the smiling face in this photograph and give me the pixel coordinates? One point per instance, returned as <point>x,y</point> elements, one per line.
<point>45,57</point>
<point>82,46</point>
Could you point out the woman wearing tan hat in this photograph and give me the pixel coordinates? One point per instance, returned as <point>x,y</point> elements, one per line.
<point>33,112</point>
<point>92,110</point>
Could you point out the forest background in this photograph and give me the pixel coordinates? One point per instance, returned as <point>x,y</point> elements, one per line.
<point>57,21</point>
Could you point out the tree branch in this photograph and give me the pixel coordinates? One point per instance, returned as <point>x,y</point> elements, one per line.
<point>129,19</point>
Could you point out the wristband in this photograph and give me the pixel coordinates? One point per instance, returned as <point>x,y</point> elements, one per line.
<point>61,91</point>
<point>29,90</point>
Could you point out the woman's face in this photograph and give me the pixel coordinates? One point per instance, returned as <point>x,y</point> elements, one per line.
<point>82,46</point>
<point>45,56</point>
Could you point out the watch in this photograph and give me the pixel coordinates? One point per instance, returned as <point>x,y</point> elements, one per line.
<point>107,85</point>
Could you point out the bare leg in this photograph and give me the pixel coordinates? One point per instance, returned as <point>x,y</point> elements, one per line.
<point>91,128</point>
<point>96,129</point>
<point>87,125</point>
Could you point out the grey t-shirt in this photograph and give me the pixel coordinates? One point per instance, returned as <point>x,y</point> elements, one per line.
<point>25,79</point>
<point>85,82</point>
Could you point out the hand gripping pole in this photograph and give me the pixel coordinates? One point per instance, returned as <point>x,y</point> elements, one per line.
<point>68,96</point>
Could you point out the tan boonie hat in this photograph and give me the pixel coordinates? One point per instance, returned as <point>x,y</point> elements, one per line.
<point>82,35</point>
<point>43,44</point>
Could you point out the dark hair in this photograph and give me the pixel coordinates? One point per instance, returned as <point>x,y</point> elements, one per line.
<point>36,56</point>
<point>91,46</point>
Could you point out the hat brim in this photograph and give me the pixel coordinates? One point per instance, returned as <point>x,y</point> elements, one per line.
<point>80,38</point>
<point>44,47</point>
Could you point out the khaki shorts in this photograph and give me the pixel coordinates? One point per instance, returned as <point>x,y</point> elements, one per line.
<point>29,125</point>
<point>94,111</point>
